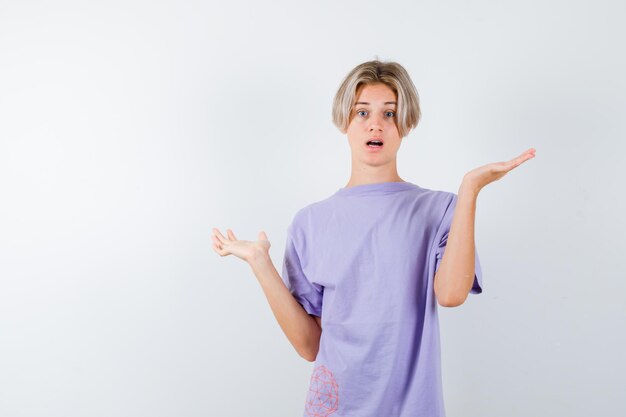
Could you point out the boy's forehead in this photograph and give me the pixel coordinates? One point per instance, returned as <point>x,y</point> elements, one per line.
<point>375,93</point>
<point>382,98</point>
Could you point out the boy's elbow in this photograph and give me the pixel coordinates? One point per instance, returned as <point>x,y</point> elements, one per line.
<point>450,304</point>
<point>451,301</point>
<point>308,354</point>
<point>448,298</point>
<point>308,350</point>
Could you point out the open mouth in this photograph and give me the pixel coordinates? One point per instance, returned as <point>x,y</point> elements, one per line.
<point>375,144</point>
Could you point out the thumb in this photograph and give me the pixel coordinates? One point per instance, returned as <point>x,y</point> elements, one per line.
<point>262,235</point>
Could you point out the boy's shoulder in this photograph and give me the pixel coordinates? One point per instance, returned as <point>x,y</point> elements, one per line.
<point>306,213</point>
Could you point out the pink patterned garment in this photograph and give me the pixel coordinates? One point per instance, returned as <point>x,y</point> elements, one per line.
<point>323,397</point>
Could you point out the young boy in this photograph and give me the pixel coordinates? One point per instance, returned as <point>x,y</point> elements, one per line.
<point>367,264</point>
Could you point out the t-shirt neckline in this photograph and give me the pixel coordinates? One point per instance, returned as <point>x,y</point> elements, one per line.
<point>376,188</point>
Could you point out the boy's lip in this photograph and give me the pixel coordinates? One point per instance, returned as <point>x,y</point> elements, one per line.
<point>375,148</point>
<point>375,138</point>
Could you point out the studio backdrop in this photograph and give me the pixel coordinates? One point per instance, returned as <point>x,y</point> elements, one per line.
<point>128,130</point>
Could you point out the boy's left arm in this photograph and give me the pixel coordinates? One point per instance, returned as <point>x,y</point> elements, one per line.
<point>455,275</point>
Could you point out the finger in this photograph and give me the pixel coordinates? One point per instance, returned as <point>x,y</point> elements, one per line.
<point>524,158</point>
<point>219,235</point>
<point>231,234</point>
<point>519,160</point>
<point>216,241</point>
<point>529,153</point>
<point>218,250</point>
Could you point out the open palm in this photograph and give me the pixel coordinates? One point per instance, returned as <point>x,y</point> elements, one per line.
<point>483,175</point>
<point>244,249</point>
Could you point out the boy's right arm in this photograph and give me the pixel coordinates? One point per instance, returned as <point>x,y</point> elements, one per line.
<point>302,330</point>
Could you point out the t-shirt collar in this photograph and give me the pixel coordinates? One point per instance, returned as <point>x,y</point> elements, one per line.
<point>376,188</point>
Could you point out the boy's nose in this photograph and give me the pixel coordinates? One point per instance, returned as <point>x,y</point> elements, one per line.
<point>375,123</point>
<point>376,127</point>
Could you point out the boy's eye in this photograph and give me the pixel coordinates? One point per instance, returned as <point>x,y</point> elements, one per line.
<point>388,113</point>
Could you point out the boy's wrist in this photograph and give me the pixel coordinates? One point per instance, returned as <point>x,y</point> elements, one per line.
<point>258,257</point>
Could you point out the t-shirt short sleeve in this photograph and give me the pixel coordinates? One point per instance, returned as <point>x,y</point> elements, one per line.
<point>442,238</point>
<point>308,294</point>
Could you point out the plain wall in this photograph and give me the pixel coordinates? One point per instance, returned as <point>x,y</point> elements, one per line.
<point>129,129</point>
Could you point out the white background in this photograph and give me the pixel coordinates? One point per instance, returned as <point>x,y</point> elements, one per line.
<point>129,129</point>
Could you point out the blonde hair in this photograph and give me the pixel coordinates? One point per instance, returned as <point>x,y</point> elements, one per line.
<point>391,74</point>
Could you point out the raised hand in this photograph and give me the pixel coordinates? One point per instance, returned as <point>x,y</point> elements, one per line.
<point>244,249</point>
<point>481,176</point>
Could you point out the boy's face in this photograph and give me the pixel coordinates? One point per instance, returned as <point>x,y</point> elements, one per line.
<point>377,119</point>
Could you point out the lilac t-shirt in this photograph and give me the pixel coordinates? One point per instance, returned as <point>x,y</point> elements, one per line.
<point>363,260</point>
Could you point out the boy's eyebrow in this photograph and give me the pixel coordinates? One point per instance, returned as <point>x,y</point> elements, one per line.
<point>365,102</point>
